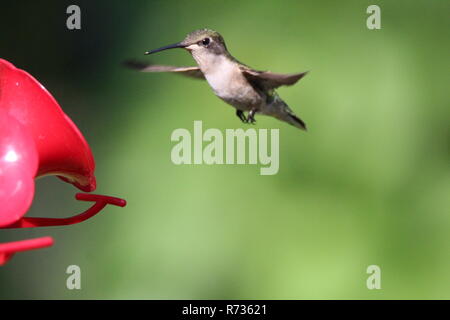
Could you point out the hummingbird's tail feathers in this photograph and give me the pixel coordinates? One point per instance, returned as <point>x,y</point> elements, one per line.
<point>279,109</point>
<point>296,122</point>
<point>287,115</point>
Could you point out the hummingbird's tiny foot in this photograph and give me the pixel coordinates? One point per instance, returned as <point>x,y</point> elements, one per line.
<point>251,116</point>
<point>241,116</point>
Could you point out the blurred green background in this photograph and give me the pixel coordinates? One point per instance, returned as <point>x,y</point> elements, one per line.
<point>369,183</point>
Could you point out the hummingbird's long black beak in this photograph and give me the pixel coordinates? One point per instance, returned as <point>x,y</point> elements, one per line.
<point>170,46</point>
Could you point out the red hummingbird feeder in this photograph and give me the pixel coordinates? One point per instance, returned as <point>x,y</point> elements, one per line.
<point>36,139</point>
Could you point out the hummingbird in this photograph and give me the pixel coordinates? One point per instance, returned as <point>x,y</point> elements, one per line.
<point>237,84</point>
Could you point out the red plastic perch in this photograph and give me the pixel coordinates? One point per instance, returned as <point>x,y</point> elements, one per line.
<point>100,203</point>
<point>7,250</point>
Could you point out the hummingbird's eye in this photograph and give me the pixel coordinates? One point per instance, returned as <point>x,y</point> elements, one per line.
<point>205,41</point>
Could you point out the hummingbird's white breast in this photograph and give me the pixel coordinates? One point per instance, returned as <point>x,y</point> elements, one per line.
<point>227,81</point>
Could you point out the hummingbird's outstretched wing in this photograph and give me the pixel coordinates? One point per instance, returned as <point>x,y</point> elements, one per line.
<point>193,72</point>
<point>267,80</point>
